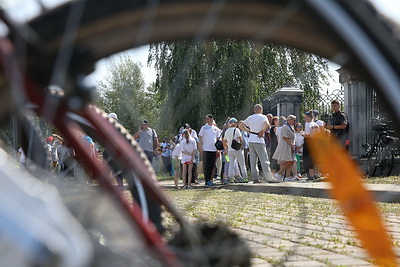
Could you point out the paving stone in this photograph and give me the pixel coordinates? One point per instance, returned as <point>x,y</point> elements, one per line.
<point>254,244</point>
<point>260,262</point>
<point>277,255</point>
<point>307,250</point>
<point>348,261</point>
<point>297,258</point>
<point>358,252</point>
<point>308,263</point>
<point>329,256</point>
<point>265,251</point>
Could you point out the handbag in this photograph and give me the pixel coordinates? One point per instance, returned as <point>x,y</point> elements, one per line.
<point>218,145</point>
<point>235,144</point>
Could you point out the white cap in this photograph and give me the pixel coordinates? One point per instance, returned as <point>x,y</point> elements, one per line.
<point>113,115</point>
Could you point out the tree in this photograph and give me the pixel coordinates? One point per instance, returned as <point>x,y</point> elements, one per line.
<point>123,91</point>
<point>227,77</point>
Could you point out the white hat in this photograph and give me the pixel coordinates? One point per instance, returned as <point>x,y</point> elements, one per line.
<point>113,115</point>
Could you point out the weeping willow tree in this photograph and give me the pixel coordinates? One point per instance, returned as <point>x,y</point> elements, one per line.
<point>227,77</point>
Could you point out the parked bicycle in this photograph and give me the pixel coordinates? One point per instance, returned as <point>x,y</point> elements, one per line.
<point>382,151</point>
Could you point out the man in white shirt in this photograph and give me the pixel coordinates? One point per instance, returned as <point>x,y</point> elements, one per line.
<point>208,135</point>
<point>257,124</point>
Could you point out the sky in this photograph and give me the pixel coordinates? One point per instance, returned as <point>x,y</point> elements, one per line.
<point>24,9</point>
<point>139,55</point>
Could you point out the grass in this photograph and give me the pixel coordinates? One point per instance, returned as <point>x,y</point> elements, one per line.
<point>383,180</point>
<point>162,178</point>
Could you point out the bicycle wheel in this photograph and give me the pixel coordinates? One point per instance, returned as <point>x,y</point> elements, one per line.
<point>313,26</point>
<point>388,162</point>
<point>372,163</point>
<point>380,163</point>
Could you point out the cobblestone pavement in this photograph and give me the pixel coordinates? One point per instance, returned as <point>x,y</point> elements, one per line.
<point>285,230</point>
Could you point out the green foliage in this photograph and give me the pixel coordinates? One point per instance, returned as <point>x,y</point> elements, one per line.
<point>227,77</point>
<point>123,92</point>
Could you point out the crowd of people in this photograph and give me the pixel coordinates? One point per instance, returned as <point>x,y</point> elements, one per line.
<point>63,160</point>
<point>270,148</point>
<point>273,149</point>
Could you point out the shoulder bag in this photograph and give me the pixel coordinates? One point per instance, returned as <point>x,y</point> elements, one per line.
<point>235,144</point>
<point>218,144</point>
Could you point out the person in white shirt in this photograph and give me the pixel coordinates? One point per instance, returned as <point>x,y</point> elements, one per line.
<point>234,133</point>
<point>193,134</point>
<point>257,126</point>
<point>208,135</point>
<point>310,128</point>
<point>188,148</point>
<point>166,156</point>
<point>320,123</point>
<point>176,162</point>
<point>321,126</point>
<point>282,120</point>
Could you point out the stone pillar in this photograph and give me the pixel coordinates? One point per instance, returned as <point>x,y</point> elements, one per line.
<point>358,107</point>
<point>287,100</point>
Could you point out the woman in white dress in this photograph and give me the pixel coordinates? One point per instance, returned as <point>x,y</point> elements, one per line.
<point>188,149</point>
<point>285,150</point>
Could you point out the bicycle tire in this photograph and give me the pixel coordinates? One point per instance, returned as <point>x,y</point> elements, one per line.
<point>313,26</point>
<point>371,163</point>
<point>389,163</point>
<point>380,163</point>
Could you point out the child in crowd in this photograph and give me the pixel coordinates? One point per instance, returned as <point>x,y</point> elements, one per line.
<point>176,162</point>
<point>188,147</point>
<point>299,142</point>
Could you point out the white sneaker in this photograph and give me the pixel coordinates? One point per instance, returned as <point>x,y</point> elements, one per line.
<point>288,179</point>
<point>273,180</point>
<point>278,177</point>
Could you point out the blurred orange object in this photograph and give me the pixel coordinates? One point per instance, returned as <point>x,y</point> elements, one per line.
<point>356,202</point>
